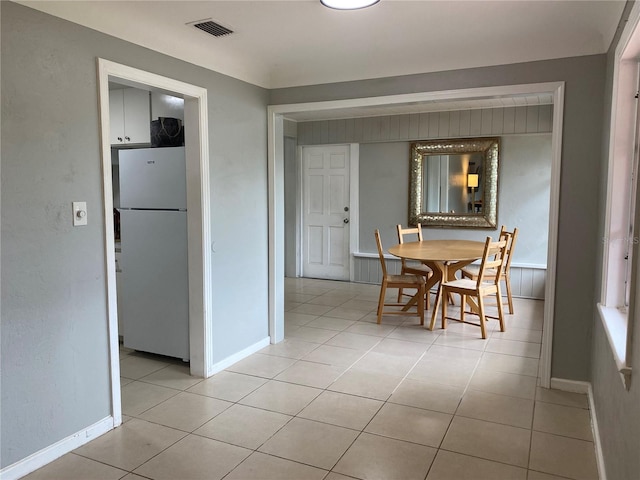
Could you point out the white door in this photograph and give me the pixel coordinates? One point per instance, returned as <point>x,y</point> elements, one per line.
<point>325,206</point>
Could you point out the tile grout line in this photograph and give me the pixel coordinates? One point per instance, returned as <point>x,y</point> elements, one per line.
<point>384,402</point>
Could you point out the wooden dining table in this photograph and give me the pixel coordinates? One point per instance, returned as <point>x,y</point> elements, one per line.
<point>444,257</point>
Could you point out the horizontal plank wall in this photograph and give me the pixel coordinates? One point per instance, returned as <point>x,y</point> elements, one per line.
<point>526,282</point>
<point>422,126</point>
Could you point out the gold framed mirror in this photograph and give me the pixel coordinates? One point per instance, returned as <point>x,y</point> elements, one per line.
<point>454,182</point>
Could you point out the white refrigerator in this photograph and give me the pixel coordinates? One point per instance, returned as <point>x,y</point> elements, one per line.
<point>153,232</point>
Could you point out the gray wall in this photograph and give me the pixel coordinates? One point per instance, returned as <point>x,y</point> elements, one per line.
<point>523,201</point>
<point>524,190</point>
<point>523,195</point>
<point>579,182</point>
<point>525,169</point>
<point>290,202</point>
<point>54,339</point>
<point>55,364</point>
<point>617,410</point>
<point>290,199</point>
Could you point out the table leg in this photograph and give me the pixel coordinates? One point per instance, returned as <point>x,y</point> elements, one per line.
<point>440,270</point>
<point>429,284</point>
<point>454,267</point>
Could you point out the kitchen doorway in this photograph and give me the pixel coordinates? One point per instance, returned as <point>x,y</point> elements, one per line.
<point>198,206</point>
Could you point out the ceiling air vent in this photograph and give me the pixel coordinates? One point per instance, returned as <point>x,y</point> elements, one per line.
<point>211,27</point>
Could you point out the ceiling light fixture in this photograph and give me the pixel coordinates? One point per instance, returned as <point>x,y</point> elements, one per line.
<point>348,4</point>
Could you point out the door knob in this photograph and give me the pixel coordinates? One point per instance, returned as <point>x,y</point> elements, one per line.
<point>346,220</point>
<point>346,209</point>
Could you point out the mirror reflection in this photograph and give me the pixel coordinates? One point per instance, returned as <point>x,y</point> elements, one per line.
<point>454,182</point>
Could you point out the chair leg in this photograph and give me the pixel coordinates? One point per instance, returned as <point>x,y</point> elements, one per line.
<point>507,281</point>
<point>436,305</point>
<point>463,302</point>
<point>383,291</point>
<point>427,300</point>
<point>444,310</point>
<point>400,295</point>
<point>483,327</point>
<point>500,309</point>
<point>421,304</point>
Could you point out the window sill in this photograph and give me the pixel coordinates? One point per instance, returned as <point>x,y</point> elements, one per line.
<point>615,321</point>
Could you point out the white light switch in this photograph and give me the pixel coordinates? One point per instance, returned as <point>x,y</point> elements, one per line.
<point>79,213</point>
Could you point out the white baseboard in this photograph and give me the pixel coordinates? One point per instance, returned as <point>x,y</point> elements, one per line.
<point>570,385</point>
<point>602,473</point>
<point>52,452</point>
<point>585,387</point>
<point>235,358</point>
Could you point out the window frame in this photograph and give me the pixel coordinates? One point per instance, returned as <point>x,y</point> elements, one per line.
<point>632,199</point>
<point>622,202</point>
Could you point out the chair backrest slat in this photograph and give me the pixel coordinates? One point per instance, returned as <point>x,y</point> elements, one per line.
<point>381,253</point>
<point>511,236</point>
<point>408,231</point>
<point>493,257</point>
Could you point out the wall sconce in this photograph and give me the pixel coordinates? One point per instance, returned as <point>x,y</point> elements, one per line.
<point>472,183</point>
<point>472,180</point>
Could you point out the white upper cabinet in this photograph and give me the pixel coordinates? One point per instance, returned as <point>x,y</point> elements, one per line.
<point>129,115</point>
<point>116,116</point>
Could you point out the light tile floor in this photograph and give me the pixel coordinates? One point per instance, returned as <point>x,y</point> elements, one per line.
<point>343,397</point>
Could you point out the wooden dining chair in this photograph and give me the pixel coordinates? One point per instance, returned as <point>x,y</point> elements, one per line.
<point>398,281</point>
<point>412,269</point>
<point>493,258</point>
<point>471,271</point>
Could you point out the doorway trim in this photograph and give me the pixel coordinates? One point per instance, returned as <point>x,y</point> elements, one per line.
<point>275,175</point>
<point>354,206</point>
<point>198,223</point>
